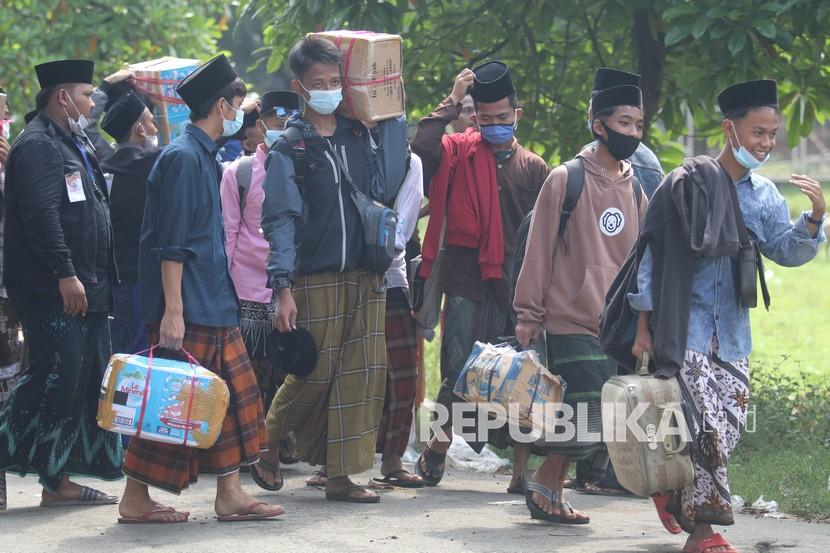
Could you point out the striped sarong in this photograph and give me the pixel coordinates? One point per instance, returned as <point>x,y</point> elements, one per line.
<point>579,360</point>
<point>174,467</point>
<point>335,411</point>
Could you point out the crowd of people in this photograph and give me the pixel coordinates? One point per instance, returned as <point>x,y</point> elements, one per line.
<point>258,269</point>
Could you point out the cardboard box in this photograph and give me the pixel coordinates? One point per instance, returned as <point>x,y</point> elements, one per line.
<point>516,381</point>
<point>372,69</point>
<point>167,401</point>
<point>159,78</point>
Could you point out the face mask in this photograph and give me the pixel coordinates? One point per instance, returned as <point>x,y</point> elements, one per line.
<point>324,102</point>
<point>82,122</point>
<point>497,134</point>
<point>271,136</point>
<point>621,146</point>
<point>6,128</point>
<point>743,156</point>
<point>230,128</point>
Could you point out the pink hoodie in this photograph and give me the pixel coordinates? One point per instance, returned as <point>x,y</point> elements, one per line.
<point>245,244</point>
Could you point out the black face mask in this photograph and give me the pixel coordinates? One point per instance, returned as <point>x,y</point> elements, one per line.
<point>620,145</point>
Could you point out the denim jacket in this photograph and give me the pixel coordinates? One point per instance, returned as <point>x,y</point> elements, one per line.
<point>714,308</point>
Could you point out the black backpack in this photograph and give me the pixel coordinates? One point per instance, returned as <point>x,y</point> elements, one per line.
<point>573,189</point>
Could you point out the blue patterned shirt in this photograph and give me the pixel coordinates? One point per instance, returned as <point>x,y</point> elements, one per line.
<point>714,308</point>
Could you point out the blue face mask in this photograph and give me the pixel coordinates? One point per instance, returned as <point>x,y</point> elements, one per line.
<point>324,102</point>
<point>743,156</point>
<point>230,128</point>
<point>271,136</point>
<point>498,134</point>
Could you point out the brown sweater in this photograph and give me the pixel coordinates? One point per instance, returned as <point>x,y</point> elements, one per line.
<point>562,284</point>
<point>520,177</point>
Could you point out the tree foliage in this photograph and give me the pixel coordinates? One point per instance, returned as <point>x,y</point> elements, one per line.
<point>111,33</point>
<point>686,51</point>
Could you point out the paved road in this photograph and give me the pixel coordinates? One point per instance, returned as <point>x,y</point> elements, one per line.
<point>469,512</point>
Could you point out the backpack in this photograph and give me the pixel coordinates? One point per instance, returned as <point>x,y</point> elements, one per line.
<point>573,189</point>
<point>243,179</point>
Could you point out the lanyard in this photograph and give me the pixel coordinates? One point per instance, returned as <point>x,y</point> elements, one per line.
<point>87,163</point>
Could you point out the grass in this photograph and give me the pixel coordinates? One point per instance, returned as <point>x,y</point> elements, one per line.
<point>787,458</point>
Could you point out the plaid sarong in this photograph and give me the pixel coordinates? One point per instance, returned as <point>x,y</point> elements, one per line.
<point>335,411</point>
<point>401,377</point>
<point>174,467</point>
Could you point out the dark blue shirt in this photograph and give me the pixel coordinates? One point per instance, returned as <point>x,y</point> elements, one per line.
<point>183,222</point>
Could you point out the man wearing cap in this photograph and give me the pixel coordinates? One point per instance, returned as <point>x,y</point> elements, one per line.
<point>483,185</point>
<point>59,273</point>
<point>189,302</point>
<point>247,250</point>
<point>564,278</point>
<point>595,474</point>
<point>133,126</point>
<point>694,302</point>
<point>111,89</point>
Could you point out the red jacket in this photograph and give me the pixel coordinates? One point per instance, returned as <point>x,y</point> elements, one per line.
<point>465,187</point>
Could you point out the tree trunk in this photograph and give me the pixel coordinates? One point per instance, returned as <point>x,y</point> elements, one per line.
<point>651,61</point>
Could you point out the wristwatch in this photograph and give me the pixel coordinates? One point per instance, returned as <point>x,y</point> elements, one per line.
<point>816,222</point>
<point>281,283</point>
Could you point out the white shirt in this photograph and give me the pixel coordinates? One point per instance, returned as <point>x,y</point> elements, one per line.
<point>407,206</point>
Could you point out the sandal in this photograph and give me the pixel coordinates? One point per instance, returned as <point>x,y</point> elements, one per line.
<point>288,453</point>
<point>88,497</point>
<point>537,513</point>
<point>268,467</point>
<point>394,479</point>
<point>574,519</point>
<point>712,542</point>
<point>248,513</point>
<point>589,488</point>
<point>345,495</point>
<point>3,499</point>
<point>147,518</point>
<point>669,522</point>
<point>435,467</point>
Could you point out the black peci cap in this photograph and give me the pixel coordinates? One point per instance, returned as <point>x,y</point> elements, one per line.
<point>292,352</point>
<point>492,82</point>
<point>54,73</point>
<point>747,95</point>
<point>279,99</point>
<point>624,95</point>
<point>607,78</point>
<point>205,81</point>
<point>122,115</point>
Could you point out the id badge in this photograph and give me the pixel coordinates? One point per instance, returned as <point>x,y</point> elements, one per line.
<point>75,187</point>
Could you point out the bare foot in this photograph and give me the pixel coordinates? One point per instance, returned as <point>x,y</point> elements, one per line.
<point>393,466</point>
<point>268,468</point>
<point>317,479</point>
<point>137,504</point>
<point>69,491</point>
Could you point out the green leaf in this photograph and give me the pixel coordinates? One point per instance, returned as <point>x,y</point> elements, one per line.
<point>679,11</point>
<point>766,28</point>
<point>675,35</point>
<point>700,27</point>
<point>737,42</point>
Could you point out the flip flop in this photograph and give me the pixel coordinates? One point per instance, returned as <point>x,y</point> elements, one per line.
<point>435,469</point>
<point>518,489</point>
<point>660,502</point>
<point>393,479</point>
<point>273,469</point>
<point>88,497</point>
<point>537,513</point>
<point>595,489</point>
<point>567,505</point>
<point>712,542</point>
<point>146,518</point>
<point>248,514</point>
<point>345,495</point>
<point>3,498</point>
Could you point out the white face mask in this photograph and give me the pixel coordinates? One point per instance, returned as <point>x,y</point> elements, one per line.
<point>76,126</point>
